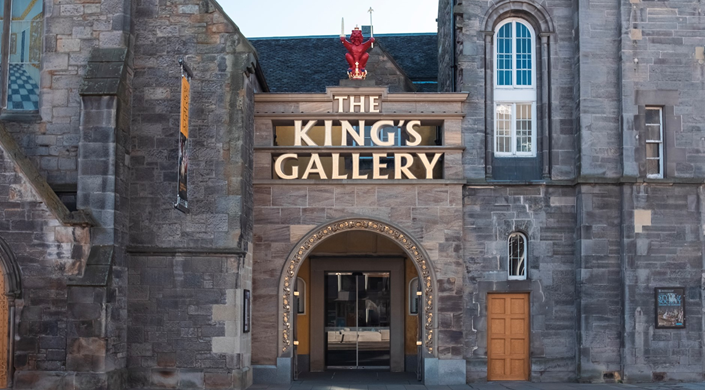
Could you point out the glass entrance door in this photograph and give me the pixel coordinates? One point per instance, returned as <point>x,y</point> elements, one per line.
<point>357,320</point>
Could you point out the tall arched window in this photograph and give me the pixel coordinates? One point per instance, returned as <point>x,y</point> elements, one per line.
<point>515,89</point>
<point>517,256</point>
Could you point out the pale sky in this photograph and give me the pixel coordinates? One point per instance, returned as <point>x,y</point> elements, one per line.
<point>278,18</point>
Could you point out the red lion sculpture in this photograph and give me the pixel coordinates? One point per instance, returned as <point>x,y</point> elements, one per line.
<point>357,53</point>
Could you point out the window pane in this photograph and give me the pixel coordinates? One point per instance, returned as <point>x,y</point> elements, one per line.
<point>2,25</point>
<point>25,53</point>
<point>523,56</point>
<point>653,116</point>
<point>517,255</point>
<point>523,127</point>
<point>301,288</point>
<point>504,55</point>
<point>652,150</point>
<point>413,300</point>
<point>653,167</point>
<point>503,134</point>
<point>653,133</point>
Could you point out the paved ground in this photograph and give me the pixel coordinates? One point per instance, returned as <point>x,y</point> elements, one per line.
<point>351,380</point>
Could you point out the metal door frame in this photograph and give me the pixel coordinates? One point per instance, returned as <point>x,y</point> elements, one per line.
<point>394,265</point>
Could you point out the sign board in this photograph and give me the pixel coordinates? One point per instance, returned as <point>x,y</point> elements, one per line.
<point>670,307</point>
<point>358,145</point>
<point>182,192</point>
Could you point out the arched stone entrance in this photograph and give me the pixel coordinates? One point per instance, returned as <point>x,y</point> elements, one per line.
<point>308,243</point>
<point>10,291</point>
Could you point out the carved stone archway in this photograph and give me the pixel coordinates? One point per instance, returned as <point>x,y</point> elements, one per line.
<point>10,291</point>
<point>305,246</point>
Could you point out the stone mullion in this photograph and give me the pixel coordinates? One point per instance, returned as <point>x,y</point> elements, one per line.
<point>489,104</point>
<point>545,139</point>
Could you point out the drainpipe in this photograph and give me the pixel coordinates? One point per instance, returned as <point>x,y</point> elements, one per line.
<point>453,67</point>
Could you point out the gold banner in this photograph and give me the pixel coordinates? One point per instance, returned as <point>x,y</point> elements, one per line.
<point>185,101</point>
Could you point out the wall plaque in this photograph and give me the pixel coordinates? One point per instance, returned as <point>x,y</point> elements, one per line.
<point>670,307</point>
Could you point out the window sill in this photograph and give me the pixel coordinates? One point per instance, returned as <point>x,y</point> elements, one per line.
<point>513,156</point>
<point>20,116</point>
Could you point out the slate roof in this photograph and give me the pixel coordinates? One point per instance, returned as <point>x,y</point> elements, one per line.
<point>310,64</point>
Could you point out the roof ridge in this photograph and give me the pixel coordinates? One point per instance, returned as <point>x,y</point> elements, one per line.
<point>336,36</point>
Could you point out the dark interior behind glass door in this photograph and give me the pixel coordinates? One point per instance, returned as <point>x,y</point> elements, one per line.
<point>358,317</point>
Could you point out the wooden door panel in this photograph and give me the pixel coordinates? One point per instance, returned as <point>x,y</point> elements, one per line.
<point>497,366</point>
<point>508,337</point>
<point>517,306</point>
<point>498,325</point>
<point>498,344</point>
<point>518,326</point>
<point>517,346</point>
<point>517,368</point>
<point>497,305</point>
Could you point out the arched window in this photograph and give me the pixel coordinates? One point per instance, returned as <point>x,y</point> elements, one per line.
<point>22,59</point>
<point>301,290</point>
<point>514,89</point>
<point>517,256</point>
<point>413,296</point>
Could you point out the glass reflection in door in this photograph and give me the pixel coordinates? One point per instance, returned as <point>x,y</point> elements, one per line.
<point>358,317</point>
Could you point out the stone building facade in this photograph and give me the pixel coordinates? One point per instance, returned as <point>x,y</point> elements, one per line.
<point>108,286</point>
<point>552,184</point>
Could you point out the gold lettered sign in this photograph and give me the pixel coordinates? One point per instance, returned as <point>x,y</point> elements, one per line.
<point>182,193</point>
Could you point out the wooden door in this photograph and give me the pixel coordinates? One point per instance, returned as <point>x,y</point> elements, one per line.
<point>508,337</point>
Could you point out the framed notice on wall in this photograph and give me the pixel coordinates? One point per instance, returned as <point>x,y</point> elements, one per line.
<point>246,311</point>
<point>670,307</point>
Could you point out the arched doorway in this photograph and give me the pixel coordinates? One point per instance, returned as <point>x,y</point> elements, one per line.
<point>409,246</point>
<point>10,288</point>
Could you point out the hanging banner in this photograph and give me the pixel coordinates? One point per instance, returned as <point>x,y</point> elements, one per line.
<point>182,193</point>
<point>670,307</point>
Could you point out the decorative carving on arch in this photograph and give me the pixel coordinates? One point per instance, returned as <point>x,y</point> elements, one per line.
<point>530,10</point>
<point>306,245</point>
<point>10,270</point>
<point>10,290</point>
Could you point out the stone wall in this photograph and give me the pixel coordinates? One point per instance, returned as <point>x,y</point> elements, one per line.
<point>662,248</point>
<point>71,29</point>
<point>598,273</point>
<point>445,46</point>
<point>547,215</point>
<point>432,214</point>
<point>663,65</point>
<point>186,327</point>
<point>187,271</point>
<point>386,72</point>
<point>220,138</point>
<point>556,133</point>
<point>597,81</point>
<point>47,252</point>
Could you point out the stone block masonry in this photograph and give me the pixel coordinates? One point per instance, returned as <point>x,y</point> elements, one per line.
<point>186,326</point>
<point>286,213</point>
<point>187,272</point>
<point>547,215</point>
